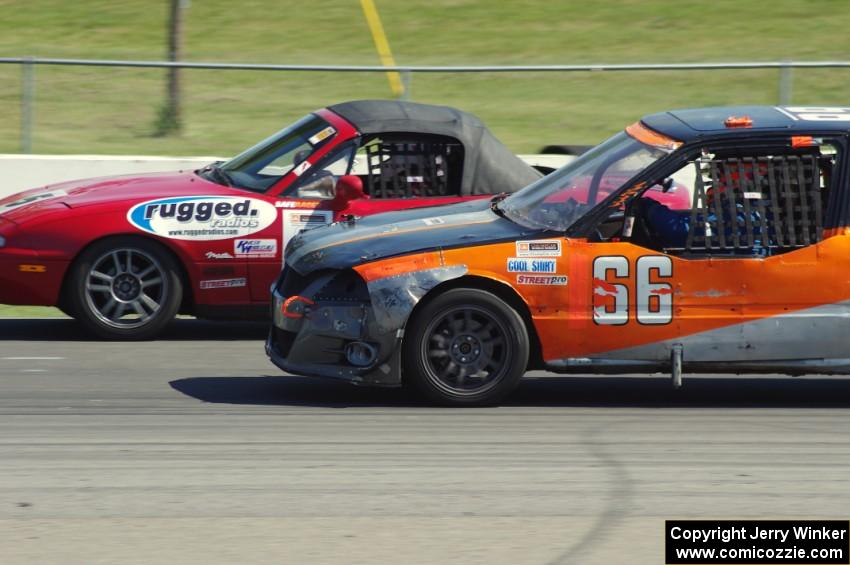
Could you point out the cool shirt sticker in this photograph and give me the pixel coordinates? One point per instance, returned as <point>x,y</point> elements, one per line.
<point>224,283</point>
<point>255,247</point>
<point>517,265</point>
<point>541,279</point>
<point>322,135</point>
<point>41,196</point>
<point>539,248</point>
<point>202,218</point>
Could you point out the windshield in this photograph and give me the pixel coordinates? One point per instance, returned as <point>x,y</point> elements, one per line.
<point>556,201</point>
<point>261,166</point>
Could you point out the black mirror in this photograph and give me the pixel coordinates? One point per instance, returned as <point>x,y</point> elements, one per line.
<point>666,184</point>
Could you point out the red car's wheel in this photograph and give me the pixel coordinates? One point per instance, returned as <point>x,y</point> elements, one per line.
<point>125,288</point>
<point>465,348</point>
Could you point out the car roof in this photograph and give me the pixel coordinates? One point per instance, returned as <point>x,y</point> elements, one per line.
<point>693,123</point>
<point>489,166</point>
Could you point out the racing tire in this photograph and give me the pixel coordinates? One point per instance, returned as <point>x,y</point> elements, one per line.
<point>466,347</point>
<point>124,288</point>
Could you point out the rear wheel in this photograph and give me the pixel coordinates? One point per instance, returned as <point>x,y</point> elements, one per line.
<point>465,348</point>
<point>125,288</point>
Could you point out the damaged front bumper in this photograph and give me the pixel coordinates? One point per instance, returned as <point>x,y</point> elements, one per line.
<point>333,324</point>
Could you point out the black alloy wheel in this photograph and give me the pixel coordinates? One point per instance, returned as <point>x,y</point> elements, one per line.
<point>465,348</point>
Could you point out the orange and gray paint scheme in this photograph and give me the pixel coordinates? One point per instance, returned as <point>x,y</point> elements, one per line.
<point>591,304</point>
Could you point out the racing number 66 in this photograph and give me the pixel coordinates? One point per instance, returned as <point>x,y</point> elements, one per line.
<point>611,299</point>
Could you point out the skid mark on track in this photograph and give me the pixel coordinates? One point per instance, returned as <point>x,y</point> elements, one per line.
<point>618,497</point>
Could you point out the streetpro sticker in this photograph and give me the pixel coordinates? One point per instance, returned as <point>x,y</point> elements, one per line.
<point>255,247</point>
<point>541,279</point>
<point>224,283</point>
<point>539,248</point>
<point>202,218</point>
<point>517,265</point>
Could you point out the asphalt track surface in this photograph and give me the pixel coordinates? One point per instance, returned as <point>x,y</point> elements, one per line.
<point>194,449</point>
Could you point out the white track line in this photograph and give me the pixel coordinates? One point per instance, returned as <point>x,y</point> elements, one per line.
<point>32,358</point>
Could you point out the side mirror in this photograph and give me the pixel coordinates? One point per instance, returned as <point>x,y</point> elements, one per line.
<point>349,187</point>
<point>666,184</point>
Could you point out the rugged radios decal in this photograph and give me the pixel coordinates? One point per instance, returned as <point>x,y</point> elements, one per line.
<point>200,218</point>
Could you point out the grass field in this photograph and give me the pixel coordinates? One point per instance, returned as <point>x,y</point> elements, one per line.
<point>29,312</point>
<point>87,110</point>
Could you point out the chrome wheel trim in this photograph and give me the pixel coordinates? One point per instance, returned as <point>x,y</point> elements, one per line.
<point>126,288</point>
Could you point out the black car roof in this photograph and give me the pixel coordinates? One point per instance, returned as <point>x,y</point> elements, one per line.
<point>685,125</point>
<point>489,166</point>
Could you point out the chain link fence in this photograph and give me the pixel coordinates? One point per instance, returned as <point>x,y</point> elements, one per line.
<point>110,106</point>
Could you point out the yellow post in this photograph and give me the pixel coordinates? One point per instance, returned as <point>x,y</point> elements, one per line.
<point>382,45</point>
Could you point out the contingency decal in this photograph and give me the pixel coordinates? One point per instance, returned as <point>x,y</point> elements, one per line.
<point>541,279</point>
<point>214,255</point>
<point>41,196</point>
<point>255,247</point>
<point>296,204</point>
<point>296,220</point>
<point>202,218</point>
<point>224,283</point>
<point>322,135</point>
<point>539,248</point>
<point>299,170</point>
<point>522,265</point>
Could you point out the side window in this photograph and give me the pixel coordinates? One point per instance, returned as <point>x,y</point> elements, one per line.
<point>758,202</point>
<point>320,182</point>
<point>410,166</point>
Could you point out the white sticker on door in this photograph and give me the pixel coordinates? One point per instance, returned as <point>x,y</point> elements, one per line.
<point>296,220</point>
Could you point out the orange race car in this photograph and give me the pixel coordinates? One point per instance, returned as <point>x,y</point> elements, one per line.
<point>572,275</point>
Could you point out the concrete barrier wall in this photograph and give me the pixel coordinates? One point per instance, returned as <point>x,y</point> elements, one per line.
<point>22,172</point>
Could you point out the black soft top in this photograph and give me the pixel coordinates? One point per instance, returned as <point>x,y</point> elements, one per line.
<point>489,166</point>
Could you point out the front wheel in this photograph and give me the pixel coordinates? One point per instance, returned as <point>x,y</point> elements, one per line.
<point>465,348</point>
<point>125,288</point>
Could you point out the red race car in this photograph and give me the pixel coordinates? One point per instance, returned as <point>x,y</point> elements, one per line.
<point>124,255</point>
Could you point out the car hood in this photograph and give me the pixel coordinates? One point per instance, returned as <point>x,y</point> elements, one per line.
<point>347,244</point>
<point>128,189</point>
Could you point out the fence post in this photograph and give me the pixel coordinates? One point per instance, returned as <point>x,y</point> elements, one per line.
<point>406,83</point>
<point>27,101</point>
<point>785,83</point>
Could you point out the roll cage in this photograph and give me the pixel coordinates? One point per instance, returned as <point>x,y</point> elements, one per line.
<point>836,214</point>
